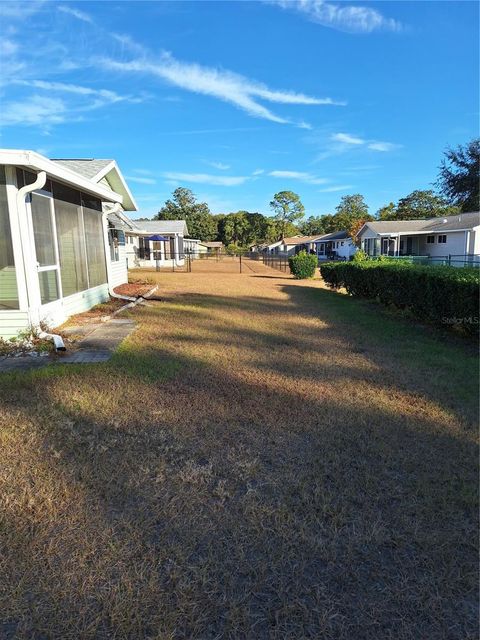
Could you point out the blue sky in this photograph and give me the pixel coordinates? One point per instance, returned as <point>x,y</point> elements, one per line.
<point>239,100</point>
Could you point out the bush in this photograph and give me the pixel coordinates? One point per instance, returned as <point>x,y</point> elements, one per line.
<point>360,256</point>
<point>303,265</point>
<point>447,296</point>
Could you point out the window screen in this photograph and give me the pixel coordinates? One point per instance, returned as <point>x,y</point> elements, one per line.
<point>8,277</point>
<point>97,271</point>
<point>43,230</point>
<point>71,239</point>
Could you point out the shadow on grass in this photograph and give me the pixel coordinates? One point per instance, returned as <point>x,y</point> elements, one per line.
<point>187,494</point>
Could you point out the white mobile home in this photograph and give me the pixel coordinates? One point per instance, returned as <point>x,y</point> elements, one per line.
<point>337,245</point>
<point>142,250</point>
<point>455,238</point>
<point>61,248</point>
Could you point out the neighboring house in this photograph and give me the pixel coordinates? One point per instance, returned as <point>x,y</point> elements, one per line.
<point>292,246</point>
<point>194,247</point>
<point>212,247</point>
<point>58,222</point>
<point>142,251</point>
<point>273,247</point>
<point>335,245</point>
<point>453,236</point>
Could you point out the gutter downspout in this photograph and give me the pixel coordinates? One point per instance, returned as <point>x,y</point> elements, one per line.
<point>21,194</point>
<point>115,209</point>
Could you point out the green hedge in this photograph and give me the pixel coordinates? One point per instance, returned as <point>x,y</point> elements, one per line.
<point>448,296</point>
<point>303,265</point>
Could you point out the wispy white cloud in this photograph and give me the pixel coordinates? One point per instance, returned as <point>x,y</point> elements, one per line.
<point>258,172</point>
<point>347,138</point>
<point>141,180</point>
<point>128,43</point>
<point>20,10</point>
<point>343,17</point>
<point>298,175</point>
<point>76,13</point>
<point>224,85</point>
<point>62,87</point>
<point>205,178</point>
<point>383,146</point>
<point>333,189</point>
<point>218,165</point>
<point>36,110</point>
<point>7,47</point>
<point>343,142</point>
<point>70,101</point>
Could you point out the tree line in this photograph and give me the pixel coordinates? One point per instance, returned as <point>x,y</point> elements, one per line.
<point>457,190</point>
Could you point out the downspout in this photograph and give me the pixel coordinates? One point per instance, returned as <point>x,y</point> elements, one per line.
<point>115,209</point>
<point>21,195</point>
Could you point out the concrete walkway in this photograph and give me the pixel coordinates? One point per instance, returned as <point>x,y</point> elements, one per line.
<point>98,345</point>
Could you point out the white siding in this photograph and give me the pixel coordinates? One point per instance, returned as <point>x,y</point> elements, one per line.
<point>118,268</point>
<point>455,244</point>
<point>83,301</point>
<point>11,322</point>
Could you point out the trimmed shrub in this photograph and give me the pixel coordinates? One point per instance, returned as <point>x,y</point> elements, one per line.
<point>447,296</point>
<point>303,265</point>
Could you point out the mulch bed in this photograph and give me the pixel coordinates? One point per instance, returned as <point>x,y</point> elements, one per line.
<point>135,290</point>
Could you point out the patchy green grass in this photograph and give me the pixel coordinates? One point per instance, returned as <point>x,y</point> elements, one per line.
<point>262,458</point>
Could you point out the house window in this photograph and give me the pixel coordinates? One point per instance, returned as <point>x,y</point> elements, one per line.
<point>442,239</point>
<point>341,244</point>
<point>116,239</point>
<point>144,248</point>
<point>8,276</point>
<point>430,239</point>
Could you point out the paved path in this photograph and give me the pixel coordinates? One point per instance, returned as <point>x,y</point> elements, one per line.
<point>97,346</point>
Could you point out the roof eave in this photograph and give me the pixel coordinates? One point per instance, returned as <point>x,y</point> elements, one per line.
<point>129,202</point>
<point>25,158</point>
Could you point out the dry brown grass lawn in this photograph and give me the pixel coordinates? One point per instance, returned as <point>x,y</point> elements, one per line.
<point>262,459</point>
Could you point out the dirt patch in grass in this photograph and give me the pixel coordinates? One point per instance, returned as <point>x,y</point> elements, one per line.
<point>262,458</point>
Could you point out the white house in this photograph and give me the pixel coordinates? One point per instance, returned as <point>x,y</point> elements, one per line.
<point>335,245</point>
<point>61,241</point>
<point>454,237</point>
<point>143,251</point>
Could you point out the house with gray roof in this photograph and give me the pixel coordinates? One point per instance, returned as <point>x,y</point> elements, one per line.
<point>62,237</point>
<point>156,243</point>
<point>454,239</point>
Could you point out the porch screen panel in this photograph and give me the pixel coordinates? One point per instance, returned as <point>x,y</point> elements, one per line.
<point>95,243</point>
<point>8,277</point>
<point>43,230</point>
<point>71,239</point>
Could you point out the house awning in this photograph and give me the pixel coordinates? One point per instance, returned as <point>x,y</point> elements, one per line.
<point>157,238</point>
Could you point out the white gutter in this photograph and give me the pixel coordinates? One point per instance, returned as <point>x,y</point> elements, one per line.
<point>24,230</point>
<point>23,158</point>
<point>115,209</point>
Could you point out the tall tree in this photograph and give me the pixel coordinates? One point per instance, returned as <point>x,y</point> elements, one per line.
<point>388,212</point>
<point>315,225</point>
<point>288,208</point>
<point>459,178</point>
<point>184,206</point>
<point>236,228</point>
<point>352,213</point>
<point>419,205</point>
